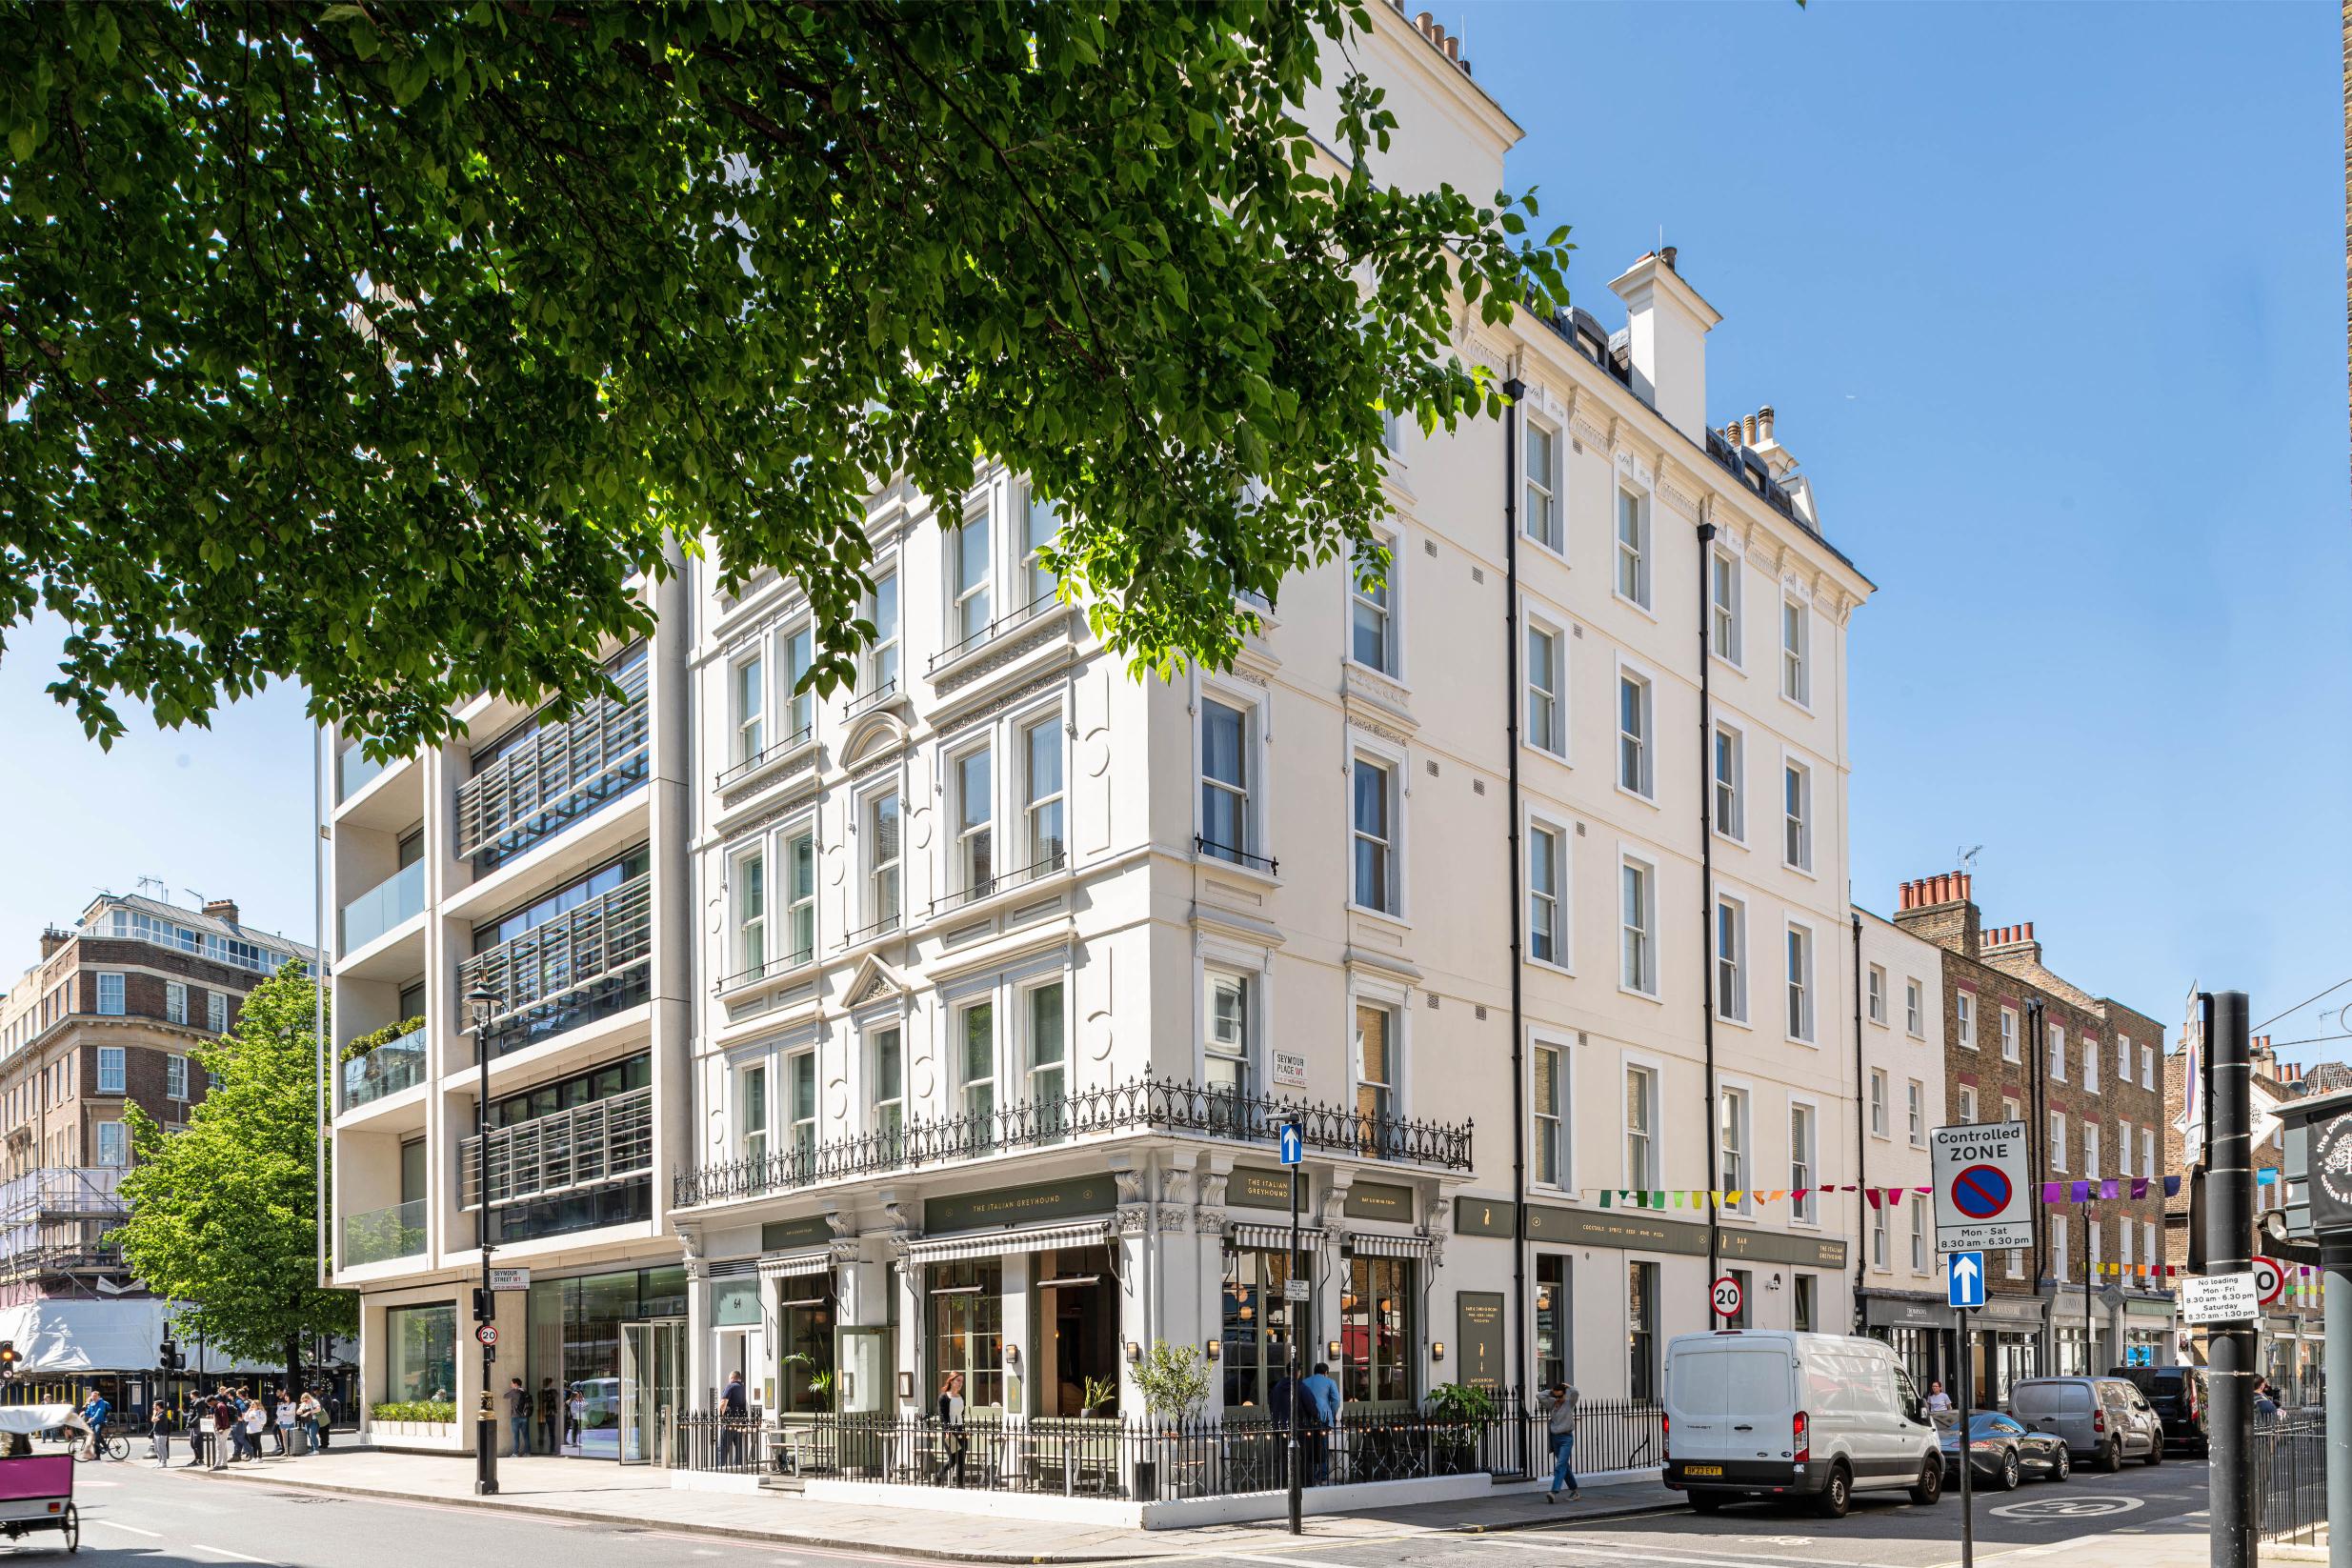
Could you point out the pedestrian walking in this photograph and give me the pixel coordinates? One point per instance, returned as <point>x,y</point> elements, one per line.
<point>952,1435</point>
<point>1562,1427</point>
<point>734,1408</point>
<point>518,1417</point>
<point>548,1401</point>
<point>1316,1420</point>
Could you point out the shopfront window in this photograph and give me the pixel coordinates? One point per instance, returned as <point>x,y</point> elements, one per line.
<point>1642,1331</point>
<point>1257,1329</point>
<point>967,1328</point>
<point>805,1315</point>
<point>1377,1300</point>
<point>420,1357</point>
<point>1550,1319</point>
<point>574,1336</point>
<point>1077,1332</point>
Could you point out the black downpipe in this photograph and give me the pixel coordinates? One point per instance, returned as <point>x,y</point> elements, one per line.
<point>1706,893</point>
<point>2037,1147</point>
<point>1861,1138</point>
<point>1515,390</point>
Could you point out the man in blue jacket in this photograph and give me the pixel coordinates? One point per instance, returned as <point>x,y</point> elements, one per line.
<point>1320,1415</point>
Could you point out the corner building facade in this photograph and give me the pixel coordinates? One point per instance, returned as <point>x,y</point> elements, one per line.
<point>1008,965</point>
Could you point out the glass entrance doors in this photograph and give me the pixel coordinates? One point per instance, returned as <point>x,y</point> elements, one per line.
<point>653,1385</point>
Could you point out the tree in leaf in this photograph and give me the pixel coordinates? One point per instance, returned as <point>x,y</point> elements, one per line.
<point>223,1215</point>
<point>381,346</point>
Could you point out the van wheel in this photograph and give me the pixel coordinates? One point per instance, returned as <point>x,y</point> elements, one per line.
<point>1930,1488</point>
<point>1707,1502</point>
<point>1838,1496</point>
<point>2111,1456</point>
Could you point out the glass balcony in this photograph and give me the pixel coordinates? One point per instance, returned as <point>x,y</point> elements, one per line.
<point>585,964</point>
<point>390,1067</point>
<point>398,898</point>
<point>381,1234</point>
<point>352,771</point>
<point>544,783</point>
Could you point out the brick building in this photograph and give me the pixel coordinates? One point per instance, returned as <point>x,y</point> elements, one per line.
<point>2022,1043</point>
<point>107,1018</point>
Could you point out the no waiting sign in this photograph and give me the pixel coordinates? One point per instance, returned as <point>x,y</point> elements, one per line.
<point>1982,1197</point>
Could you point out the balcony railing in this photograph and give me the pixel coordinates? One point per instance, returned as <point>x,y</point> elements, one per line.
<point>390,1067</point>
<point>559,774</point>
<point>783,963</point>
<point>353,770</point>
<point>381,1234</point>
<point>397,898</point>
<point>585,964</point>
<point>883,927</point>
<point>1143,1105</point>
<point>759,759</point>
<point>1233,857</point>
<point>867,701</point>
<point>1003,881</point>
<point>590,1145</point>
<point>1010,620</point>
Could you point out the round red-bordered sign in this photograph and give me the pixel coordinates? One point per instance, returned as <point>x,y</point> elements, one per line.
<point>1725,1297</point>
<point>1981,1192</point>
<point>2269,1279</point>
<point>487,1332</point>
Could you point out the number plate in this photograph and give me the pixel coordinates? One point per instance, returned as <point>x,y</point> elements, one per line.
<point>1702,1469</point>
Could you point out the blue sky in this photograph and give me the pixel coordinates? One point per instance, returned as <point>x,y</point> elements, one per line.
<point>2048,299</point>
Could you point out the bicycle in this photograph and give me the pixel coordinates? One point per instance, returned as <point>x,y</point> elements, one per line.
<point>102,1446</point>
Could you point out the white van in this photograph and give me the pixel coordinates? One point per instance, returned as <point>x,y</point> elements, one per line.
<point>1765,1413</point>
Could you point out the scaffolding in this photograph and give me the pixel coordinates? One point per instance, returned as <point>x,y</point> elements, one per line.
<point>56,1220</point>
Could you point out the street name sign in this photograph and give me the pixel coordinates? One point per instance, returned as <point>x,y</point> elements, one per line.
<point>2220,1298</point>
<point>510,1279</point>
<point>1981,1185</point>
<point>1963,1278</point>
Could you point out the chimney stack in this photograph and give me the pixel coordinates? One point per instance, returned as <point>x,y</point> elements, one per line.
<point>222,909</point>
<point>1666,327</point>
<point>52,939</point>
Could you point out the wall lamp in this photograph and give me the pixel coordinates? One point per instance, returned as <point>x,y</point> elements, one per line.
<point>1436,1351</point>
<point>1013,1356</point>
<point>1135,1354</point>
<point>1214,1350</point>
<point>1334,1349</point>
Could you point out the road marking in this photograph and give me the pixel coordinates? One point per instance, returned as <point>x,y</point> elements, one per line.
<point>1618,1552</point>
<point>226,1553</point>
<point>2069,1508</point>
<point>1282,1563</point>
<point>118,1524</point>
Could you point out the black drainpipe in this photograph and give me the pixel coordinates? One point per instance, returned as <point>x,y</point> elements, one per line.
<point>1861,1138</point>
<point>1706,889</point>
<point>1515,390</point>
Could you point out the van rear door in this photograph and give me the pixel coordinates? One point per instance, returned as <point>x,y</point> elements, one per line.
<point>1731,1400</point>
<point>1699,1399</point>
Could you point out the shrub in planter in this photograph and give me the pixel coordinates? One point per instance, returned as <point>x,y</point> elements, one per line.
<point>417,1412</point>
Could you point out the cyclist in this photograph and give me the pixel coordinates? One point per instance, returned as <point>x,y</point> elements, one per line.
<point>95,1410</point>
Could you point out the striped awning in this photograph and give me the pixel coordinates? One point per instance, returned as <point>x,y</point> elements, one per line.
<point>784,1265</point>
<point>1243,1232</point>
<point>1392,1246</point>
<point>1036,1238</point>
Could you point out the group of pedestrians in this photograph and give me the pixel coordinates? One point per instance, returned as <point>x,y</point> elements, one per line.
<point>559,1415</point>
<point>233,1423</point>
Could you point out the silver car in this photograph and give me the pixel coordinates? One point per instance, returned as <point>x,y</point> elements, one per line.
<point>2104,1420</point>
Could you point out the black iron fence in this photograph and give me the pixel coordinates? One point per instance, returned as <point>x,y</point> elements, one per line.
<point>2290,1475</point>
<point>1140,1105</point>
<point>1148,1461</point>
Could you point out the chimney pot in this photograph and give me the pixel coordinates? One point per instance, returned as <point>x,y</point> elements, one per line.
<point>1666,254</point>
<point>2029,930</point>
<point>1763,420</point>
<point>1422,22</point>
<point>222,909</point>
<point>1748,427</point>
<point>1967,884</point>
<point>1454,48</point>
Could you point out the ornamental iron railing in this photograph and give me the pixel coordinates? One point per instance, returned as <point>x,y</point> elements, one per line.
<point>584,964</point>
<point>557,775</point>
<point>592,1145</point>
<point>1003,881</point>
<point>1010,620</point>
<point>1233,857</point>
<point>1143,1105</point>
<point>761,758</point>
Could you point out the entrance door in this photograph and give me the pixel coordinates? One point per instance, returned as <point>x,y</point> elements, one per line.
<point>653,1385</point>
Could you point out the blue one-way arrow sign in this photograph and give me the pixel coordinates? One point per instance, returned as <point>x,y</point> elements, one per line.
<point>1294,1143</point>
<point>1964,1276</point>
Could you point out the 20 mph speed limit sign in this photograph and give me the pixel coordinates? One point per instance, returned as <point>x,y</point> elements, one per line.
<point>1727,1296</point>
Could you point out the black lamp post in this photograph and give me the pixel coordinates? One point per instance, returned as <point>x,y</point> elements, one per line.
<point>481,1004</point>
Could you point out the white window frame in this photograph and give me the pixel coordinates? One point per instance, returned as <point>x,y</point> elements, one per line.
<point>1726,623</point>
<point>2123,1059</point>
<point>215,1010</point>
<point>960,1074</point>
<point>1879,1111</point>
<point>1254,749</point>
<point>782,899</point>
<point>1643,743</point>
<point>1549,488</point>
<point>117,1004</point>
<point>1637,934</point>
<point>1036,1088</point>
<point>1965,1010</point>
<point>2011,1034</point>
<point>1546,689</point>
<point>1555,1121</point>
<point>1880,1245</point>
<point>1914,1112</point>
<point>1802,987</point>
<point>1044,800</point>
<point>1797,821</point>
<point>1653,1078</point>
<point>2147,1153</point>
<point>1732,824</point>
<point>963,600</point>
<point>795,647</point>
<point>743,922</point>
<point>1804,1160</point>
<point>1364,750</point>
<point>2056,1034</point>
<point>1919,1232</point>
<point>118,1080</point>
<point>1797,650</point>
<point>1731,991</point>
<point>965,884</point>
<point>2090,1148</point>
<point>1914,1008</point>
<point>175,1001</point>
<point>883,1096</point>
<point>802,1134</point>
<point>1038,583</point>
<point>1629,559</point>
<point>2056,1137</point>
<point>175,1076</point>
<point>1874,1006</point>
<point>1395,1001</point>
<point>755,1109</point>
<point>883,664</point>
<point>1735,1144</point>
<point>1965,1114</point>
<point>114,1145</point>
<point>1553,899</point>
<point>2147,1067</point>
<point>2088,1055</point>
<point>879,872</point>
<point>747,704</point>
<point>1245,974</point>
<point>1386,603</point>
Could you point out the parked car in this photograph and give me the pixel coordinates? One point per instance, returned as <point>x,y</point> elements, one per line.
<point>2001,1451</point>
<point>2178,1396</point>
<point>1772,1413</point>
<point>2102,1419</point>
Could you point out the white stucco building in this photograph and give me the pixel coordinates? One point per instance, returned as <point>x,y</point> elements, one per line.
<point>1902,1102</point>
<point>970,941</point>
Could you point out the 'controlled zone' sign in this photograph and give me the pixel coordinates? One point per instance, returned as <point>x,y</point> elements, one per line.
<point>1981,1181</point>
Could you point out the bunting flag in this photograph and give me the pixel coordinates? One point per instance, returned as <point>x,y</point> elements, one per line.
<point>2053,1192</point>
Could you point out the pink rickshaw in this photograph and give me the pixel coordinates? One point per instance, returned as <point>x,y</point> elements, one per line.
<point>36,1489</point>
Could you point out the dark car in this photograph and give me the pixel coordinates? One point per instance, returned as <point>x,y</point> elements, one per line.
<point>2001,1451</point>
<point>2177,1395</point>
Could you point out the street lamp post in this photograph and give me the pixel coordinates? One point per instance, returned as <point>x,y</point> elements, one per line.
<point>481,1004</point>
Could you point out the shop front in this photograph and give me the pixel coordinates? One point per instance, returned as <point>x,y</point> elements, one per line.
<point>1919,1327</point>
<point>2007,1346</point>
<point>610,1349</point>
<point>2150,1331</point>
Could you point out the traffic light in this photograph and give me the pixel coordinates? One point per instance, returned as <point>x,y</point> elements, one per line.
<point>168,1356</point>
<point>11,1359</point>
<point>483,1311</point>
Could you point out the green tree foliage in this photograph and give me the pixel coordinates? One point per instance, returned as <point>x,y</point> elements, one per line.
<point>378,345</point>
<point>223,1215</point>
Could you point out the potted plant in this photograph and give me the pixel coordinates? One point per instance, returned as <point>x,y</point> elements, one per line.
<point>1174,1380</point>
<point>1461,1411</point>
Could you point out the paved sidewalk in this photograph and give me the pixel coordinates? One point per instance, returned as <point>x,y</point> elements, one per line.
<point>644,1497</point>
